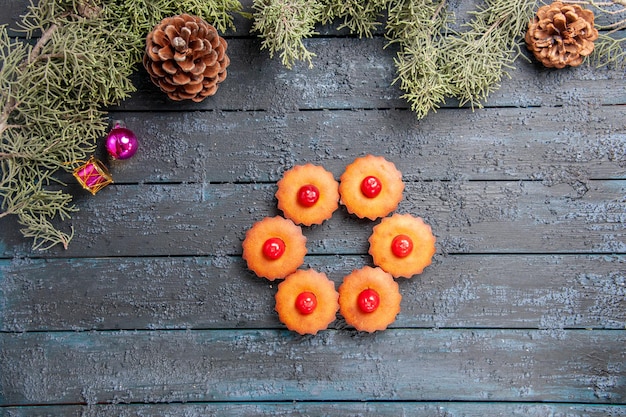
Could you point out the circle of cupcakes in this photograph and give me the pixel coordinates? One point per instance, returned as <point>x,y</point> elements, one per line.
<point>306,301</point>
<point>308,194</point>
<point>369,299</point>
<point>274,247</point>
<point>402,245</point>
<point>371,187</point>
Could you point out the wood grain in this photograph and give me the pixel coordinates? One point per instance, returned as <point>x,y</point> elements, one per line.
<point>547,144</point>
<point>152,311</point>
<point>325,409</point>
<point>467,217</point>
<point>553,293</point>
<point>263,365</point>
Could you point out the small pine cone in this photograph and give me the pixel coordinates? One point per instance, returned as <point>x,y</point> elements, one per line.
<point>561,34</point>
<point>186,57</point>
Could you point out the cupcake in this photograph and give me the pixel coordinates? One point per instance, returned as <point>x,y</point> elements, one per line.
<point>306,301</point>
<point>274,247</point>
<point>371,187</point>
<point>308,194</point>
<point>402,245</point>
<point>369,299</point>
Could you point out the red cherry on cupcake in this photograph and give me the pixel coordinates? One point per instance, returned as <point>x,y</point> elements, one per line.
<point>368,300</point>
<point>371,186</point>
<point>401,246</point>
<point>273,248</point>
<point>308,195</point>
<point>306,302</point>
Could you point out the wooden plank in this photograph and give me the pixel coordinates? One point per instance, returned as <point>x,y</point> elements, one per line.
<point>467,217</point>
<point>325,409</point>
<point>526,198</point>
<point>451,145</point>
<point>263,365</point>
<point>351,73</point>
<point>549,144</point>
<point>543,292</point>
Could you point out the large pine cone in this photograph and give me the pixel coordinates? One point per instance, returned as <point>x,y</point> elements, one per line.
<point>561,35</point>
<point>186,57</point>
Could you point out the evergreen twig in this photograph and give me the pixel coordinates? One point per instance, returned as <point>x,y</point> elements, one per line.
<point>433,62</point>
<point>52,95</point>
<point>283,24</point>
<point>360,17</point>
<point>477,58</point>
<point>419,28</point>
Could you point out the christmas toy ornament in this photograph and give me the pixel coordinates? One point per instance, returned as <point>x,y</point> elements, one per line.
<point>93,175</point>
<point>186,57</point>
<point>121,143</point>
<point>561,34</point>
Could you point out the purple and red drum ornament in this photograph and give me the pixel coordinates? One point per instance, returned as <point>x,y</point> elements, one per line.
<point>93,175</point>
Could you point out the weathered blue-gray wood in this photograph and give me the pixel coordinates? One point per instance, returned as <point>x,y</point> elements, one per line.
<point>325,409</point>
<point>548,144</point>
<point>545,292</point>
<point>364,78</point>
<point>12,10</point>
<point>577,366</point>
<point>467,217</point>
<point>522,312</point>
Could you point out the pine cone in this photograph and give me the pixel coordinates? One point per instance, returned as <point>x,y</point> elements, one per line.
<point>186,57</point>
<point>561,34</point>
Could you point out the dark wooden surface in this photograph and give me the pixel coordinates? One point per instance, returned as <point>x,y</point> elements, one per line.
<point>151,310</point>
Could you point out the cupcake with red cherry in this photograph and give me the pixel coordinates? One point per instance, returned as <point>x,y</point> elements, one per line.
<point>308,194</point>
<point>402,245</point>
<point>369,299</point>
<point>371,187</point>
<point>274,247</point>
<point>306,301</point>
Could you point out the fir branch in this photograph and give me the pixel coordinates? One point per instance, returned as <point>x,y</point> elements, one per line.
<point>609,51</point>
<point>478,58</point>
<point>12,53</point>
<point>360,17</point>
<point>50,112</point>
<point>418,28</point>
<point>43,40</point>
<point>44,233</point>
<point>283,24</point>
<point>52,95</point>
